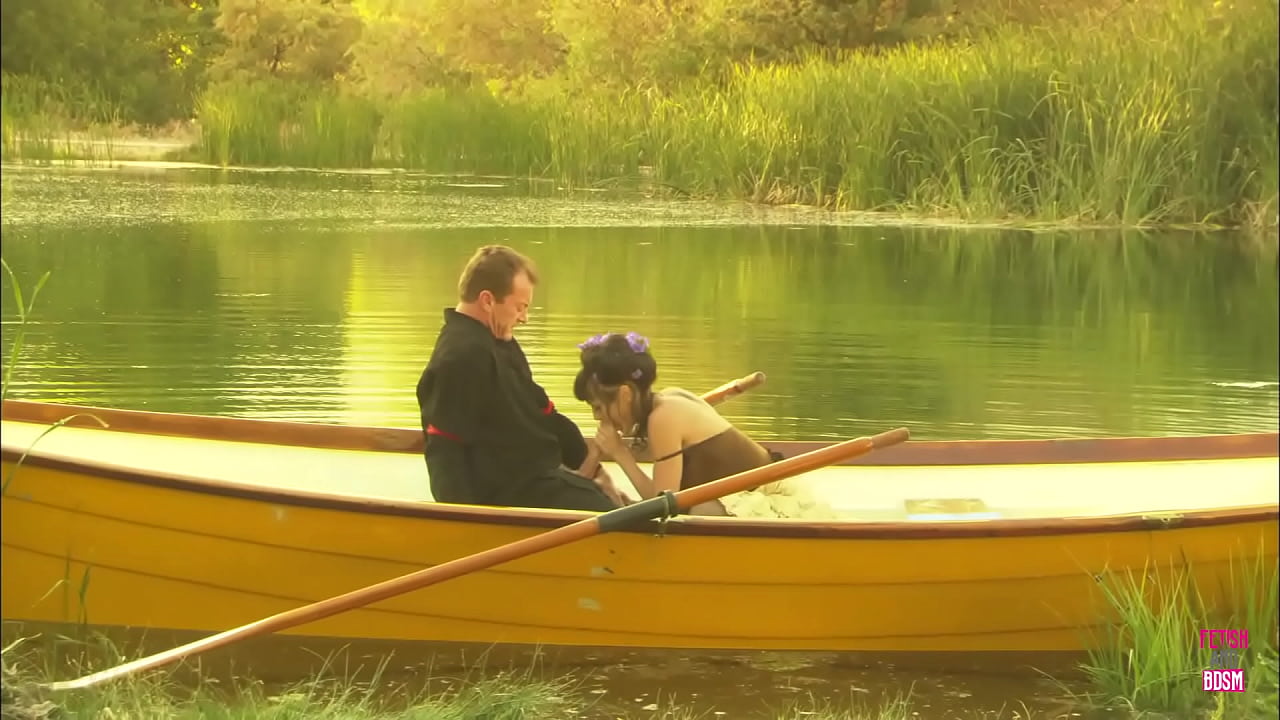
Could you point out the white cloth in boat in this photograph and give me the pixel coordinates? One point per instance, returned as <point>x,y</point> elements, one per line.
<point>786,498</point>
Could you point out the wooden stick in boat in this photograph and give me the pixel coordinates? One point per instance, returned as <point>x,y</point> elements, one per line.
<point>661,507</point>
<point>734,388</point>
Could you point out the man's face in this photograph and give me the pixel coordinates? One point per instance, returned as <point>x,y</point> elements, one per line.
<point>512,310</point>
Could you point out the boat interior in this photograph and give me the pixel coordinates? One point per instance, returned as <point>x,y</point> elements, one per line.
<point>857,493</point>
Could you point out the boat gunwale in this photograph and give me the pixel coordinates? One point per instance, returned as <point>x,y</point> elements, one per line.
<point>682,525</point>
<point>913,452</point>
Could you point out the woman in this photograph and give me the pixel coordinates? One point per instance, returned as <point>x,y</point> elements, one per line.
<point>688,442</point>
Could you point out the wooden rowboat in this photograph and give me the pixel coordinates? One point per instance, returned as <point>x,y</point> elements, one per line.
<point>205,523</point>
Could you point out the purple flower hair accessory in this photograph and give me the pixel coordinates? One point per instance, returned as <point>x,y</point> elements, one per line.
<point>638,342</point>
<point>593,341</point>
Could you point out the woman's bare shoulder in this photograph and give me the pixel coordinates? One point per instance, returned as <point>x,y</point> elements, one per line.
<point>689,411</point>
<point>682,394</point>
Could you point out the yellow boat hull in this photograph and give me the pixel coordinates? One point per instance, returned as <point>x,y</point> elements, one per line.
<point>110,544</point>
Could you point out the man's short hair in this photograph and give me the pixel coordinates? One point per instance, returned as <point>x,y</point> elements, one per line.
<point>493,268</point>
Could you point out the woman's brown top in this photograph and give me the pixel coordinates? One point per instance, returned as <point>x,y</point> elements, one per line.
<point>726,453</point>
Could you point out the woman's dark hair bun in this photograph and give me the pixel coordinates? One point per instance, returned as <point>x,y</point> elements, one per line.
<point>613,359</point>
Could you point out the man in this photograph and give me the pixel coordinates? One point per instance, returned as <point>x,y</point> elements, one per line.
<point>493,437</point>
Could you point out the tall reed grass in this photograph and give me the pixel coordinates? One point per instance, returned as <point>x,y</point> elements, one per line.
<point>24,306</point>
<point>42,122</point>
<point>1153,662</point>
<point>273,123</point>
<point>1163,112</point>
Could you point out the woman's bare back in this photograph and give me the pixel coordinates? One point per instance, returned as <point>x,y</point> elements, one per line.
<point>696,419</point>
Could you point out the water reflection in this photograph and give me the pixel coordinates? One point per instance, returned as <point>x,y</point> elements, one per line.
<point>957,334</point>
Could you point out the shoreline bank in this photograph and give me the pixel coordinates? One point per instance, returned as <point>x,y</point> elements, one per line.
<point>181,152</point>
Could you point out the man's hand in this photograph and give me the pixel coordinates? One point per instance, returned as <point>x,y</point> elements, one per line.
<point>605,483</point>
<point>591,465</point>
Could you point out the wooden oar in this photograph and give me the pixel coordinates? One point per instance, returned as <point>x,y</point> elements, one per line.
<point>662,506</point>
<point>734,388</point>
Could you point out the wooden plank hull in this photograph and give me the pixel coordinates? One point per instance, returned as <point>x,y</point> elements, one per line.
<point>112,544</point>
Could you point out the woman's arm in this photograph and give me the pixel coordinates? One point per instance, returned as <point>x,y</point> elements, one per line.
<point>664,440</point>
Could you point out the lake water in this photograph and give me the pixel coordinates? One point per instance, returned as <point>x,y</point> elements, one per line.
<point>317,296</point>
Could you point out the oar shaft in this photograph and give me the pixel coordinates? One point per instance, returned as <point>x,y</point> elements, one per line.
<point>788,467</point>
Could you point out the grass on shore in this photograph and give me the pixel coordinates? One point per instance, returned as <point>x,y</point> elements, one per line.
<point>1153,662</point>
<point>333,695</point>
<point>328,696</point>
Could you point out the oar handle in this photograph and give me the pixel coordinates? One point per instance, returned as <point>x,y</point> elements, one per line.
<point>733,388</point>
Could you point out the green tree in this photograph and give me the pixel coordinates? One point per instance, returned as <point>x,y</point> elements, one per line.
<point>397,53</point>
<point>134,60</point>
<point>658,42</point>
<point>409,45</point>
<point>303,40</point>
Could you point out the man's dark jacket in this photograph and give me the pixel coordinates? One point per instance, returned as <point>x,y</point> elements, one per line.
<point>490,428</point>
